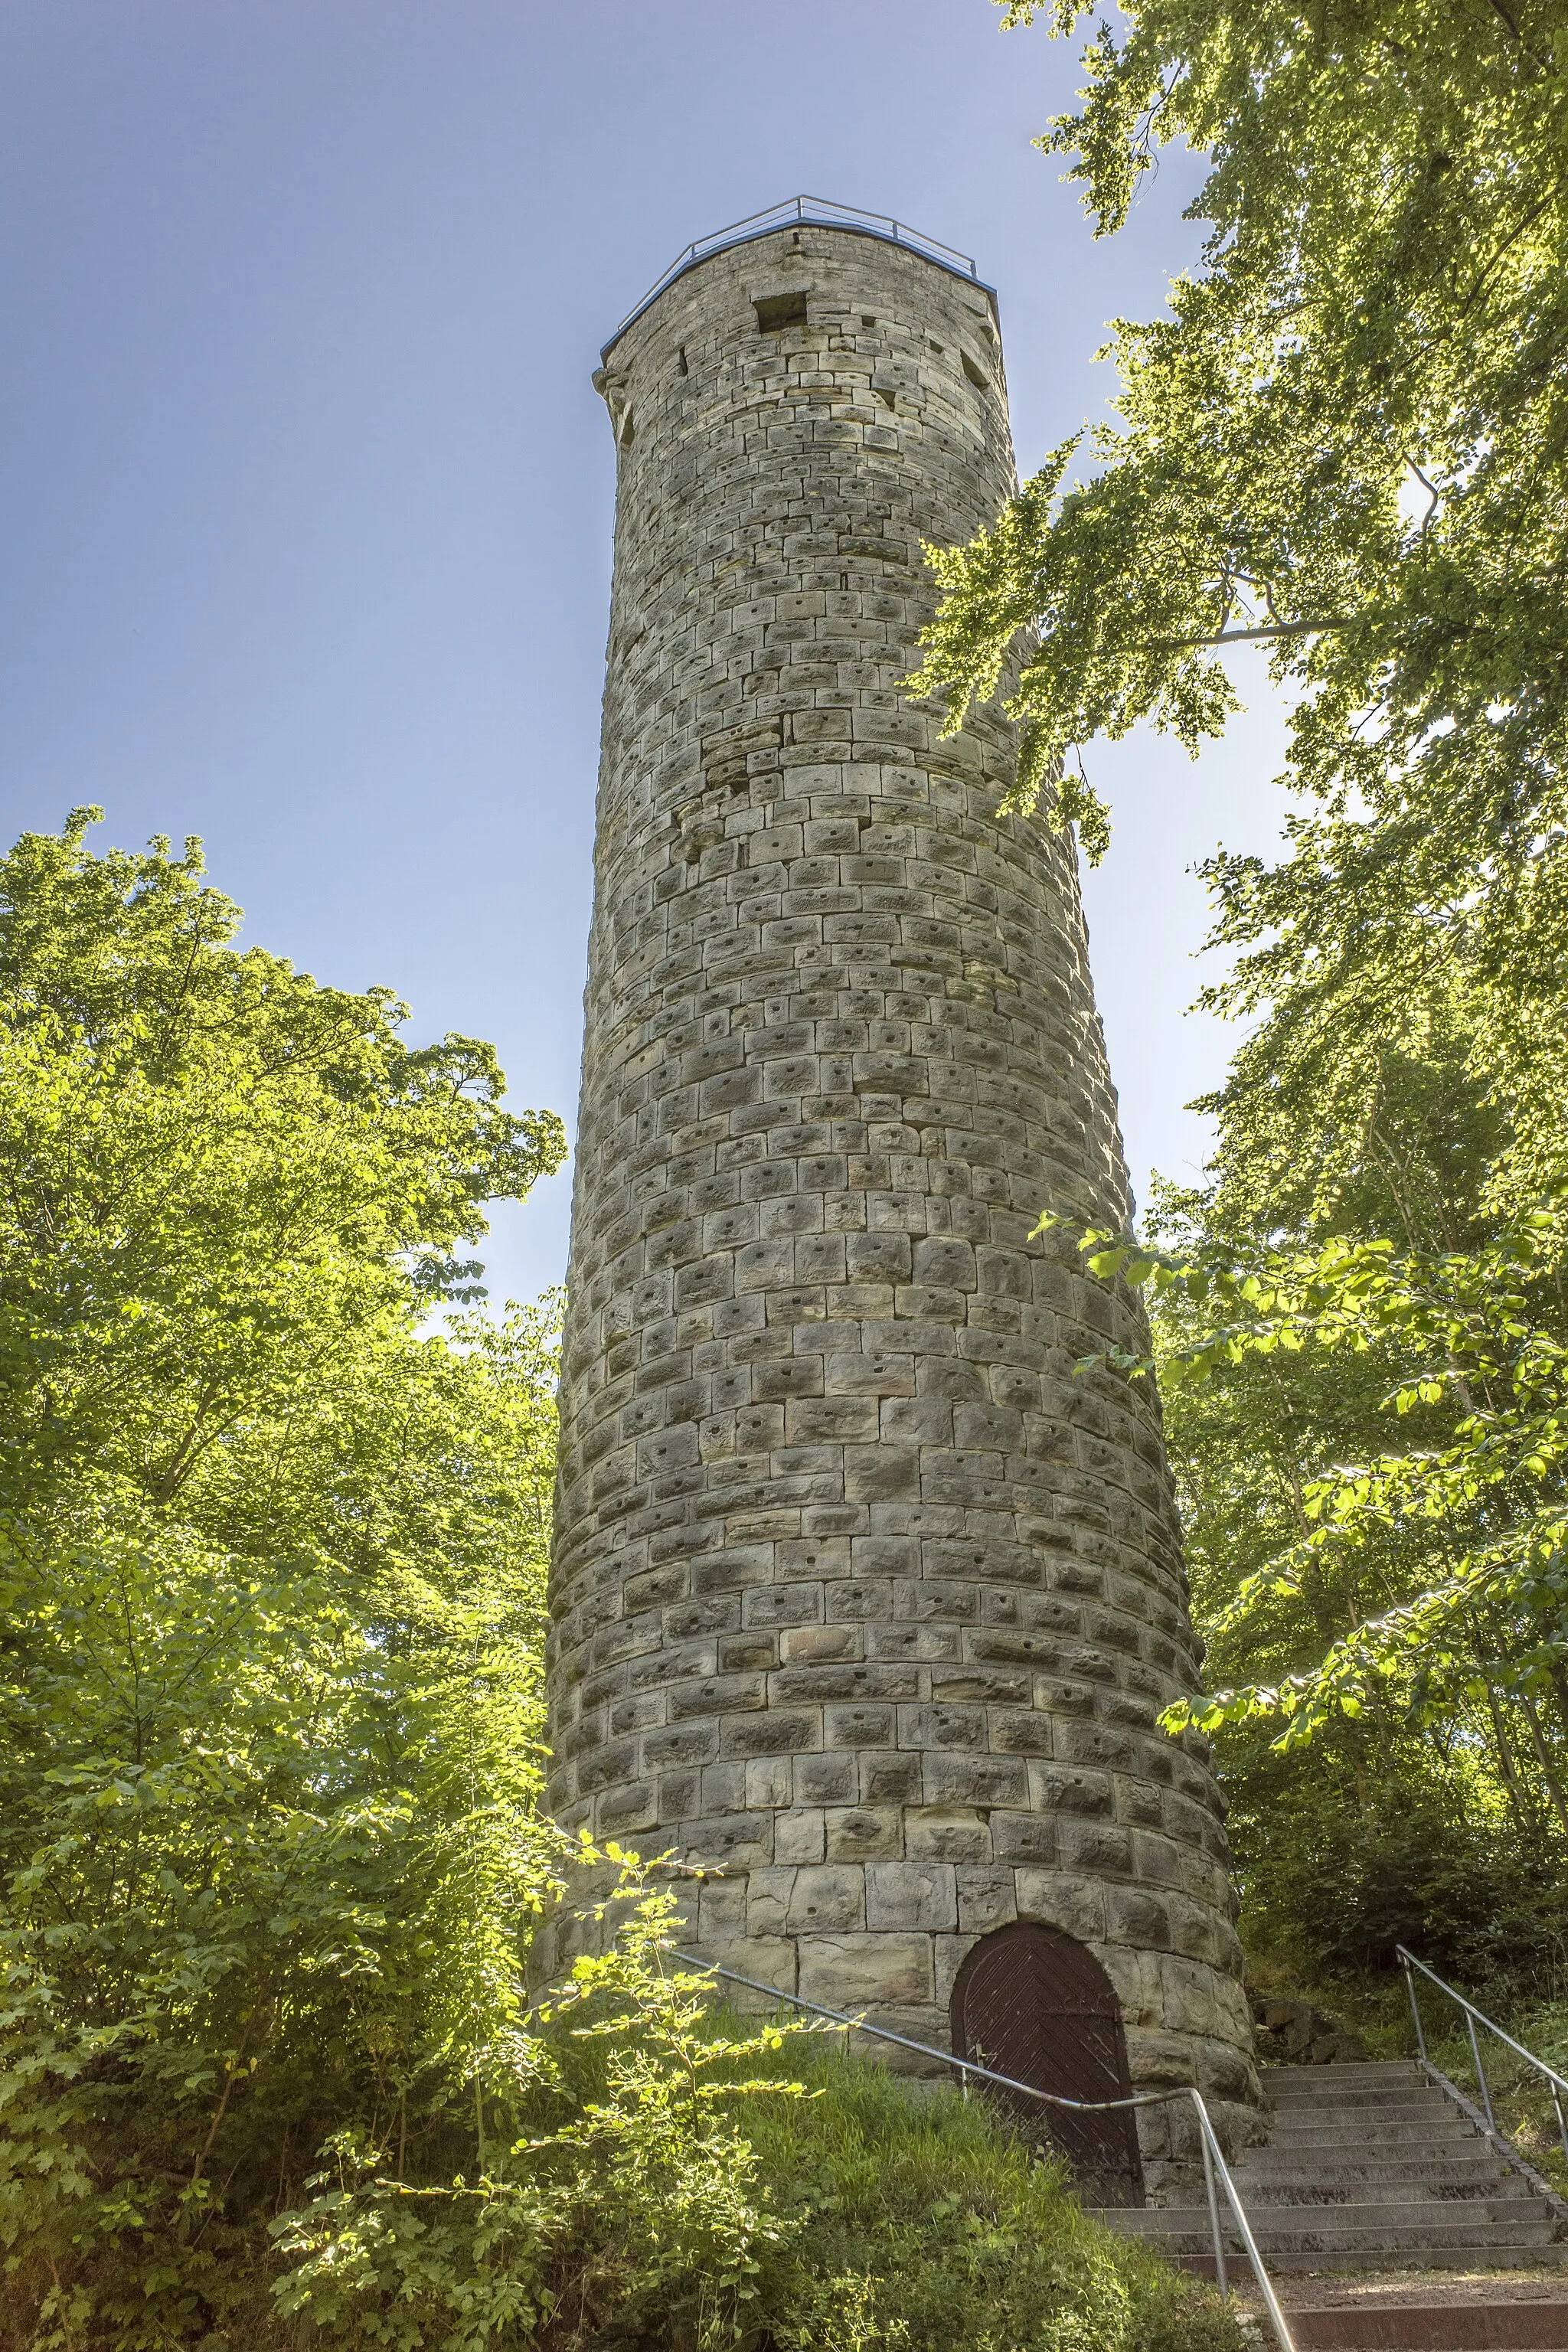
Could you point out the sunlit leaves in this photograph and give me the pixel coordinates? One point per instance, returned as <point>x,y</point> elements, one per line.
<point>1344,443</point>
<point>271,1579</point>
<point>1479,1519</point>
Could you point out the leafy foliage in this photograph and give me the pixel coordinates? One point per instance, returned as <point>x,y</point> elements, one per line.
<point>270,1576</point>
<point>612,2185</point>
<point>924,2224</point>
<point>1346,441</point>
<point>1393,1740</point>
<point>1487,1503</point>
<point>689,2179</point>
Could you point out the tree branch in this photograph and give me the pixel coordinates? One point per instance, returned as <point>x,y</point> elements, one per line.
<point>1242,636</point>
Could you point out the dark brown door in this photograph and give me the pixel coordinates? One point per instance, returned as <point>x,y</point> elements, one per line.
<point>1036,2004</point>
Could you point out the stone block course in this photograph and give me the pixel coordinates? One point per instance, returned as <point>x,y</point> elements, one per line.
<point>859,1595</point>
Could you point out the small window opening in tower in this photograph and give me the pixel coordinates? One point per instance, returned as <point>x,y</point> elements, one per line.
<point>976,373</point>
<point>935,346</point>
<point>865,322</point>
<point>680,360</point>
<point>776,311</point>
<point>885,397</point>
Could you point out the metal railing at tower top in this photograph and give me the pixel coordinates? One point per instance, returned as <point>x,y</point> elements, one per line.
<point>1216,2172</point>
<point>801,211</point>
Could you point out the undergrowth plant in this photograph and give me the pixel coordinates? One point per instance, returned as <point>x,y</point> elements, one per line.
<point>686,2178</point>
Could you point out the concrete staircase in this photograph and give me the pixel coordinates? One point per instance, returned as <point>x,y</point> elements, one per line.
<point>1367,2168</point>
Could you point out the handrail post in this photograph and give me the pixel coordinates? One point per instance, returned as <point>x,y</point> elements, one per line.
<point>1562,2126</point>
<point>1414,2009</point>
<point>1480,2070</point>
<point>1219,2269</point>
<point>1244,2227</point>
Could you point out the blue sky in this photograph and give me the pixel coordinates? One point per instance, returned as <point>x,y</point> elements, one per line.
<point>305,497</point>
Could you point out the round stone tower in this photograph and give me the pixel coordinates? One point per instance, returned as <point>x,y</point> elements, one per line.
<point>860,1596</point>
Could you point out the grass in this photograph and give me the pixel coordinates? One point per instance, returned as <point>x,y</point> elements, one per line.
<point>928,2224</point>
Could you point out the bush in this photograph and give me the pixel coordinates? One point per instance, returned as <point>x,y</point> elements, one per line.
<point>693,2180</point>
<point>1340,1863</point>
<point>626,2165</point>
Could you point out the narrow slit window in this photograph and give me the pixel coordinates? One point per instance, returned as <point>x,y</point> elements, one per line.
<point>776,311</point>
<point>976,373</point>
<point>680,357</point>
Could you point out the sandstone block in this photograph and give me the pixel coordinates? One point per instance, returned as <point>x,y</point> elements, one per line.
<point>865,1834</point>
<point>798,1834</point>
<point>987,1898</point>
<point>826,1899</point>
<point>867,1970</point>
<point>911,1894</point>
<point>767,1900</point>
<point>1060,1899</point>
<point>946,1833</point>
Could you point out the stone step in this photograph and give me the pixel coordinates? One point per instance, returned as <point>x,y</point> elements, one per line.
<point>1395,2228</point>
<point>1411,2089</point>
<point>1382,2189</point>
<point>1493,2324</point>
<point>1369,2262</point>
<point>1424,2129</point>
<point>1306,2081</point>
<point>1440,2133</point>
<point>1286,2184</point>
<point>1463,2158</point>
<point>1307,2116</point>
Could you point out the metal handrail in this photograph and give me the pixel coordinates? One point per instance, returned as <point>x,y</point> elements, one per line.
<point>1474,2017</point>
<point>1214,2156</point>
<point>801,209</point>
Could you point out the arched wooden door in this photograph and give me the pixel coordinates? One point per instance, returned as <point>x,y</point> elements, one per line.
<point>1036,2004</point>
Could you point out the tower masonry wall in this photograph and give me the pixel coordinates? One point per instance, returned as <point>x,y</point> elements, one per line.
<point>860,1596</point>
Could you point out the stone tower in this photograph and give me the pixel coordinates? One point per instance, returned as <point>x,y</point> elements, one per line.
<point>857,1593</point>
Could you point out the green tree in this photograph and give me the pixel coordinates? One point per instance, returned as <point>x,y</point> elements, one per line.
<point>272,1560</point>
<point>1347,442</point>
<point>1373,1450</point>
<point>1425,1809</point>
